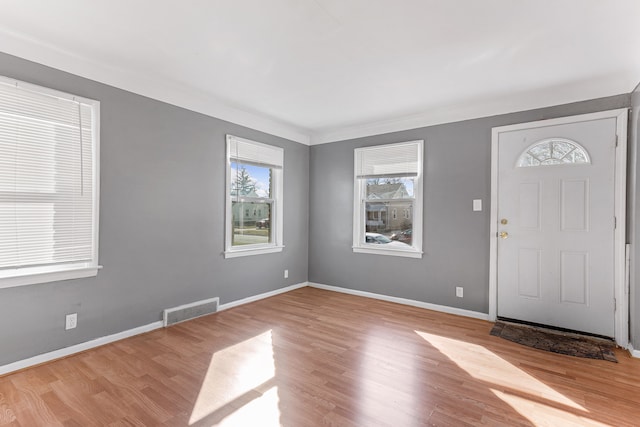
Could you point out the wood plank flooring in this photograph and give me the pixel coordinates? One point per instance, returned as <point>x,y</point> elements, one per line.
<point>317,358</point>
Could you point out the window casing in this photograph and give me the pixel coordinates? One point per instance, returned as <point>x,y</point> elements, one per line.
<point>49,185</point>
<point>387,179</point>
<point>254,220</point>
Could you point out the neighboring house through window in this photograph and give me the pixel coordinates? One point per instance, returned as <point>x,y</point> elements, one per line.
<point>254,186</point>
<point>388,178</point>
<point>49,182</point>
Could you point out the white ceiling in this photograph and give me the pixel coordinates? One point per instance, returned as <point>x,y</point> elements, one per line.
<point>324,70</point>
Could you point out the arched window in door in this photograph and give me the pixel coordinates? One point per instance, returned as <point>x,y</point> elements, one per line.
<point>553,151</point>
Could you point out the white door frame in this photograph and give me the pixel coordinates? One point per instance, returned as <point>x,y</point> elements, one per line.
<point>621,290</point>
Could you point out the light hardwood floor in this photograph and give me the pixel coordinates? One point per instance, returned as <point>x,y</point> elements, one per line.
<point>317,358</point>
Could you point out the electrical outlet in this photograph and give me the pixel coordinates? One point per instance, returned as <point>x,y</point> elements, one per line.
<point>286,274</point>
<point>459,291</point>
<point>71,321</point>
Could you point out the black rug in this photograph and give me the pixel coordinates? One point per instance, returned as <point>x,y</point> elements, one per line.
<point>556,341</point>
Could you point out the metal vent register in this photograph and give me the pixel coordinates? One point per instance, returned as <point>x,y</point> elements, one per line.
<point>174,315</point>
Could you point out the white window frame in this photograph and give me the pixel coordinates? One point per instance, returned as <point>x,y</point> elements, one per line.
<point>12,277</point>
<point>359,208</point>
<point>276,201</point>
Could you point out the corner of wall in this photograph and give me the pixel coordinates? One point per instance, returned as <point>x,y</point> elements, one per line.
<point>634,216</point>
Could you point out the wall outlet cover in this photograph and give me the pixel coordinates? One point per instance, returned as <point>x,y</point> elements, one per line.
<point>71,321</point>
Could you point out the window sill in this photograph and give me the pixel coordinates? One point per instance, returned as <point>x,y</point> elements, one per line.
<point>253,251</point>
<point>391,252</point>
<point>35,275</point>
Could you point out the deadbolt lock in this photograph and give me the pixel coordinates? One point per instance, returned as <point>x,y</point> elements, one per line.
<point>504,221</point>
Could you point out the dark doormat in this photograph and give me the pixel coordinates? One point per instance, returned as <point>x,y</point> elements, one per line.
<point>555,341</point>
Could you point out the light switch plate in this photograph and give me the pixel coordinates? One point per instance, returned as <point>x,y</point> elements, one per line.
<point>477,205</point>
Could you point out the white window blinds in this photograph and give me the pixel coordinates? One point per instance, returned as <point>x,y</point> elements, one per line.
<point>251,152</point>
<point>393,160</point>
<point>47,177</point>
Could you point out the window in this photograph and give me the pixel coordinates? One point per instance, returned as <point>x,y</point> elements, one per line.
<point>554,151</point>
<point>254,185</point>
<point>49,181</point>
<point>388,178</point>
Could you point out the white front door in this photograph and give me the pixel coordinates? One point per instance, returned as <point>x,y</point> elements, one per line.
<point>556,224</point>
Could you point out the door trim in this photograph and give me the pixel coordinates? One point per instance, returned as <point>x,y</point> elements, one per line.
<point>621,315</point>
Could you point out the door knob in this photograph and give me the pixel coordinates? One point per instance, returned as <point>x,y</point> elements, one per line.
<point>504,234</point>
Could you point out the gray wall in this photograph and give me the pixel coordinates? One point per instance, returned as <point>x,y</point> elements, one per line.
<point>161,223</point>
<point>456,240</point>
<point>634,217</point>
<point>162,219</point>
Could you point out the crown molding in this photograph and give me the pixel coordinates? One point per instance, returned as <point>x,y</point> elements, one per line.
<point>600,87</point>
<point>192,99</point>
<point>149,86</point>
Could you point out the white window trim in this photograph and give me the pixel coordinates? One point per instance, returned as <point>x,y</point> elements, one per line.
<point>373,249</point>
<point>43,274</point>
<point>359,245</point>
<point>277,210</point>
<point>13,277</point>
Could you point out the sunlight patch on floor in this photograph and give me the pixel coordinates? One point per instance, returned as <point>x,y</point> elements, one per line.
<point>239,387</point>
<point>386,381</point>
<point>485,365</point>
<point>263,412</point>
<point>544,415</point>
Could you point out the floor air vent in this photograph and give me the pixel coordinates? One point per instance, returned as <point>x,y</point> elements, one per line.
<point>174,315</point>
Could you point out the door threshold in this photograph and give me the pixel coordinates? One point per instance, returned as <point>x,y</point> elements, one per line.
<point>555,328</point>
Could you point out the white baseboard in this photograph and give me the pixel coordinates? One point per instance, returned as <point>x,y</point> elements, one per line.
<point>405,301</point>
<point>258,297</point>
<point>68,351</point>
<point>633,352</point>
